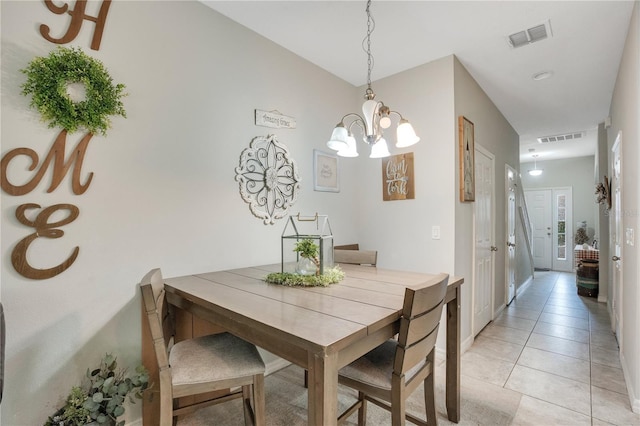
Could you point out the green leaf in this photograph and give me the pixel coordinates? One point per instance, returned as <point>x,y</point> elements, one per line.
<point>97,397</point>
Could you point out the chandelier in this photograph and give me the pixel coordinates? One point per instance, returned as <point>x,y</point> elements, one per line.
<point>376,117</point>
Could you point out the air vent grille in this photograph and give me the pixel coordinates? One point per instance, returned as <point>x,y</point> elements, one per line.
<point>530,35</point>
<point>561,138</point>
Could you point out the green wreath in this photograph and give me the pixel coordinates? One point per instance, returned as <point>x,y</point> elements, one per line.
<point>47,81</point>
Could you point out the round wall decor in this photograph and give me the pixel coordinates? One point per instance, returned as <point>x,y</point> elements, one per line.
<point>268,178</point>
<point>48,81</point>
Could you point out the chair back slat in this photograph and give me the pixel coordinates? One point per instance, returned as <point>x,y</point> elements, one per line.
<point>356,257</point>
<point>419,323</point>
<point>355,246</point>
<point>407,357</point>
<point>417,329</point>
<point>427,297</point>
<point>161,324</point>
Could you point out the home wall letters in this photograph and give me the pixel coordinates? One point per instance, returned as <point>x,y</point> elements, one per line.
<point>55,159</point>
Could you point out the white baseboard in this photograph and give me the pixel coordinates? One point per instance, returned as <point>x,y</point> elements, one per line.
<point>524,286</point>
<point>499,311</point>
<point>137,422</point>
<point>634,401</point>
<point>464,346</point>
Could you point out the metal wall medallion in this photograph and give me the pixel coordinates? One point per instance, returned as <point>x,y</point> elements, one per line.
<point>268,178</point>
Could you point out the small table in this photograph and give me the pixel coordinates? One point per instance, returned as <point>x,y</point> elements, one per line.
<point>321,329</point>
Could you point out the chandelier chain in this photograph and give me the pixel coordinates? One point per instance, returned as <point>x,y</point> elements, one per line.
<point>371,25</point>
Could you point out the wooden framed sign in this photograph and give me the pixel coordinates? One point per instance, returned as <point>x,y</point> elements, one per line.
<point>467,160</point>
<point>398,182</point>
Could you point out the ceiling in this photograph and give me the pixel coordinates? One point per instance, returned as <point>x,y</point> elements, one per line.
<point>582,52</point>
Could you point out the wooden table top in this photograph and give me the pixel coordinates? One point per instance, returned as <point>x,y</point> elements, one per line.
<point>368,299</point>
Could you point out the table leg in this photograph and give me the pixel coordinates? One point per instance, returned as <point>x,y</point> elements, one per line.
<point>323,390</point>
<point>453,358</point>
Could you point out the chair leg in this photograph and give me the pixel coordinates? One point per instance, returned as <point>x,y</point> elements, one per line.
<point>259,410</point>
<point>430,392</point>
<point>398,413</point>
<point>362,412</point>
<point>430,400</point>
<point>246,405</point>
<point>166,409</point>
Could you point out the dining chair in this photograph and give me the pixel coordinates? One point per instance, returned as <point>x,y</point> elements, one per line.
<point>202,364</point>
<point>354,246</point>
<point>388,375</point>
<point>355,257</point>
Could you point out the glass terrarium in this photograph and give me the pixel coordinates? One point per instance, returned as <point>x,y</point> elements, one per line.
<point>307,245</point>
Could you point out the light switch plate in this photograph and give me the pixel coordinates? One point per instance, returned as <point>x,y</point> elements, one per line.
<point>629,236</point>
<point>435,232</point>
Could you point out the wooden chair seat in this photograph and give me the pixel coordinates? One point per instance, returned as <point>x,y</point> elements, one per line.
<point>202,364</point>
<point>388,375</point>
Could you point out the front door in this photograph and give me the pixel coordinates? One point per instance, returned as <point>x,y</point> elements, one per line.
<point>539,204</point>
<point>484,239</point>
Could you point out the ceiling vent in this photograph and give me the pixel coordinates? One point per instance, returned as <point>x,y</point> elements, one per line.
<point>531,35</point>
<point>561,138</point>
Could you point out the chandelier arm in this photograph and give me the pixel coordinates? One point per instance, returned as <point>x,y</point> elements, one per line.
<point>359,121</point>
<point>396,112</point>
<point>351,114</point>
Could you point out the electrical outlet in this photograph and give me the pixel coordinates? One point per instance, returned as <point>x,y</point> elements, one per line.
<point>435,232</point>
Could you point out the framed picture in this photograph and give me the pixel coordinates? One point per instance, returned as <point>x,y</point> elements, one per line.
<point>398,182</point>
<point>467,160</point>
<point>325,172</point>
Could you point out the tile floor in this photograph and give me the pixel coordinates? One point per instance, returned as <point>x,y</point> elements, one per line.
<point>550,358</point>
<point>552,355</point>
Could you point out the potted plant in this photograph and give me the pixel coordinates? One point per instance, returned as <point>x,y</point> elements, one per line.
<point>310,262</point>
<point>101,400</point>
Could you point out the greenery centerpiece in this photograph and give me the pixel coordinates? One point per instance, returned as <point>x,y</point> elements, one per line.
<point>308,250</point>
<point>100,401</point>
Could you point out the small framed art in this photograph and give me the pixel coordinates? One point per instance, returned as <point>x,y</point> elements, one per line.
<point>325,172</point>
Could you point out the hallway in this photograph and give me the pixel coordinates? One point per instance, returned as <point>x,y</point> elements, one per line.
<point>550,358</point>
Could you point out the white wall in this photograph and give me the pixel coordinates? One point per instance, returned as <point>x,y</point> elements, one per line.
<point>401,230</point>
<point>602,218</point>
<point>625,115</point>
<point>163,192</point>
<point>494,133</point>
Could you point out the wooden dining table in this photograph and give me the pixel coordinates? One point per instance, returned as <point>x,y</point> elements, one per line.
<point>321,329</point>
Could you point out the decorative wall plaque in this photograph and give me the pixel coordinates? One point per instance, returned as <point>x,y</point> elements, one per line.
<point>397,177</point>
<point>274,120</point>
<point>268,178</point>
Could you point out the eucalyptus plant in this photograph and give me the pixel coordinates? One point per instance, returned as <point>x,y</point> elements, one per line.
<point>101,400</point>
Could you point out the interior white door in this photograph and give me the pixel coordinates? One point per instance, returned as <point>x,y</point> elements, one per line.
<point>484,238</point>
<point>616,236</point>
<point>510,258</point>
<point>539,204</point>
